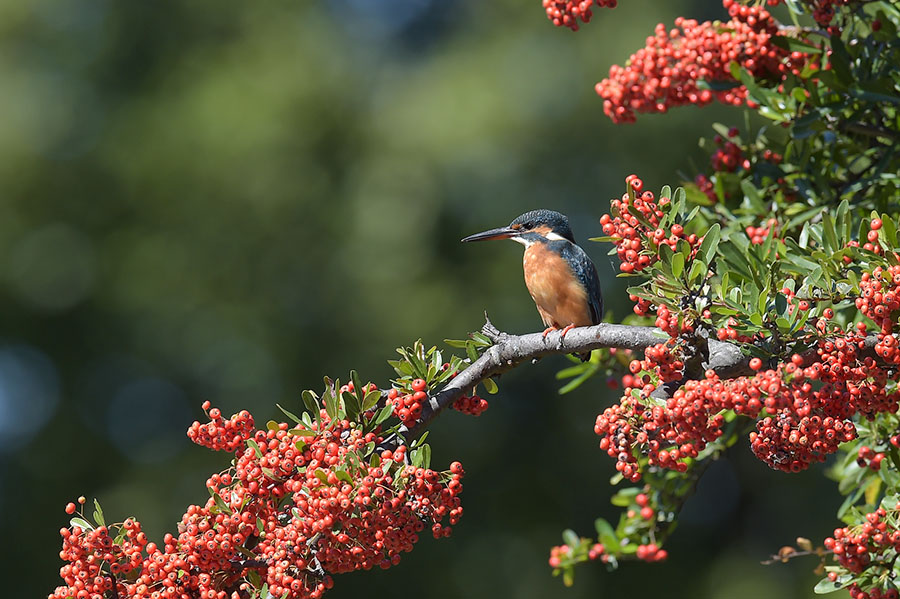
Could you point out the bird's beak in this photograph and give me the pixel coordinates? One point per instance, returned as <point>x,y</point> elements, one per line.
<point>501,233</point>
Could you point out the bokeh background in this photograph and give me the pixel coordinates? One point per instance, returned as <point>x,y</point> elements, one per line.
<point>228,200</point>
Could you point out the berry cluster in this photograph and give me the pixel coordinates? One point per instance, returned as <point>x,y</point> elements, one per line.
<point>706,186</point>
<point>665,432</point>
<point>856,548</point>
<point>408,406</point>
<point>651,553</point>
<point>661,360</point>
<point>567,13</point>
<point>823,11</point>
<point>759,234</point>
<point>219,434</point>
<point>299,505</point>
<point>879,300</point>
<point>871,244</point>
<point>790,442</point>
<point>866,457</point>
<point>809,403</point>
<point>729,333</point>
<point>629,233</point>
<point>97,557</point>
<point>668,71</point>
<point>561,552</point>
<point>728,156</point>
<point>472,405</point>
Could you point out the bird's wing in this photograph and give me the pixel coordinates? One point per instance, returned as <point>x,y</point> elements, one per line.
<point>587,274</point>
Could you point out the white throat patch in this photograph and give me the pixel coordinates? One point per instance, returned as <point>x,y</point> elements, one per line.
<point>554,236</point>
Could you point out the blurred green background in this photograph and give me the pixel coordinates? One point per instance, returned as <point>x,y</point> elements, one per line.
<point>226,201</point>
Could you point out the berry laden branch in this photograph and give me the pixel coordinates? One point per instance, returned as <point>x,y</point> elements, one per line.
<point>510,351</point>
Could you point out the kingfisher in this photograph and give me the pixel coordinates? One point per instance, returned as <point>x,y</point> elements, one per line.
<point>559,275</point>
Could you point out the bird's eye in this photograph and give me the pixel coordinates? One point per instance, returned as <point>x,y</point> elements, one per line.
<point>529,225</point>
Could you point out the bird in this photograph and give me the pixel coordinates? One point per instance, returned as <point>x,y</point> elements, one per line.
<point>559,275</point>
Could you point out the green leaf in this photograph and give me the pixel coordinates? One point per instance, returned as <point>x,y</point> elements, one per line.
<point>288,414</point>
<point>752,196</point>
<point>371,400</point>
<point>311,402</point>
<point>425,452</point>
<point>825,586</point>
<point>678,200</point>
<point>570,538</point>
<point>736,260</point>
<point>374,460</point>
<point>489,385</point>
<point>331,404</point>
<point>220,503</point>
<point>888,234</point>
<point>872,491</point>
<point>639,216</point>
<point>606,534</point>
<point>320,474</point>
<point>666,255</point>
<point>302,432</point>
<point>357,386</point>
<point>829,232</point>
<point>402,367</point>
<point>793,44</point>
<point>840,61</point>
<point>781,304</point>
<point>482,339</point>
<point>624,498</point>
<point>677,265</point>
<point>383,414</point>
<point>578,380</point>
<point>81,523</point>
<point>698,270</point>
<point>717,85</point>
<point>710,244</point>
<point>351,405</point>
<point>256,450</point>
<point>98,514</point>
<point>253,575</point>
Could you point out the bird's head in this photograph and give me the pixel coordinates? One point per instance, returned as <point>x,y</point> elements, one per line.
<point>530,227</point>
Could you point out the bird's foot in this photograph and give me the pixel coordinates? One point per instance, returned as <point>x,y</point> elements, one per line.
<point>562,335</point>
<point>548,330</point>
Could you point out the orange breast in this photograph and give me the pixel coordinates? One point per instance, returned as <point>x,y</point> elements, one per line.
<point>559,297</point>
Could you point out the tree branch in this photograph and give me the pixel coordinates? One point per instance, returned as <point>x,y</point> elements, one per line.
<point>869,130</point>
<point>510,351</point>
